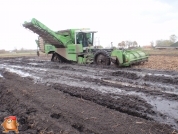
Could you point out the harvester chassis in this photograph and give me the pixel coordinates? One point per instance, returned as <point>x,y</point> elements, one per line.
<point>77,45</point>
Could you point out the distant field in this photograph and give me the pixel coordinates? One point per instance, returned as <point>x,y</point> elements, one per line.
<point>166,59</point>
<point>20,54</point>
<point>162,52</point>
<point>149,51</point>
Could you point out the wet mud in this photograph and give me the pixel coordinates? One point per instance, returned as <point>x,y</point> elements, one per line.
<point>85,96</point>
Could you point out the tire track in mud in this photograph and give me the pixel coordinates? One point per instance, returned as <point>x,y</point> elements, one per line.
<point>70,72</point>
<point>93,79</point>
<point>143,77</point>
<point>40,114</point>
<point>137,78</point>
<point>163,82</point>
<point>34,114</point>
<point>123,103</point>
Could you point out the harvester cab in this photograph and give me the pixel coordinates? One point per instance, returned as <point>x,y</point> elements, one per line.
<point>84,37</point>
<point>77,45</point>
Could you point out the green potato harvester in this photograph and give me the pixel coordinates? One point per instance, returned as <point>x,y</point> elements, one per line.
<point>76,45</point>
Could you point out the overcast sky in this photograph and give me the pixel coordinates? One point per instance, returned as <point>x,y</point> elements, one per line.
<point>115,20</point>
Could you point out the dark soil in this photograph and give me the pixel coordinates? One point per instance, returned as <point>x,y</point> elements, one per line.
<point>71,99</point>
<point>42,109</point>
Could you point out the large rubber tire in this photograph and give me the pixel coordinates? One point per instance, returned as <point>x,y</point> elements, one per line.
<point>117,63</point>
<point>101,57</point>
<point>56,58</point>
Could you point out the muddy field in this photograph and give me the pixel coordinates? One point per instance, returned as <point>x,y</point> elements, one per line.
<point>53,98</point>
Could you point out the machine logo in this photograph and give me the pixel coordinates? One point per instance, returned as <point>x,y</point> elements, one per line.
<point>10,124</point>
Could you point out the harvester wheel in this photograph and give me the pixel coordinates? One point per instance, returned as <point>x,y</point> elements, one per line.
<point>101,57</point>
<point>56,58</point>
<point>116,63</point>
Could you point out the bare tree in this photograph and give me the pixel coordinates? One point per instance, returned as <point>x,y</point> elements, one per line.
<point>135,44</point>
<point>173,38</point>
<point>127,44</point>
<point>123,43</point>
<point>131,43</point>
<point>111,44</point>
<point>119,44</point>
<point>152,44</point>
<point>163,42</point>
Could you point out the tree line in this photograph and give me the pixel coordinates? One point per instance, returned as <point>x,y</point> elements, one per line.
<point>172,40</point>
<point>128,44</point>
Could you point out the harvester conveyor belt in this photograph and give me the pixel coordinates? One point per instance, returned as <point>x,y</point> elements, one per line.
<point>47,34</point>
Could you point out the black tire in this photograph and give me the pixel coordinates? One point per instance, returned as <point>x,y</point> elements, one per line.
<point>56,58</point>
<point>101,57</point>
<point>116,62</point>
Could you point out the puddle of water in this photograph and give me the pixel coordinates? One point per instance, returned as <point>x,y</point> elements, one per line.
<point>36,60</point>
<point>163,75</point>
<point>163,105</point>
<point>29,68</point>
<point>34,63</point>
<point>19,72</point>
<point>167,88</point>
<point>166,107</point>
<point>19,58</point>
<point>172,90</point>
<point>31,59</point>
<point>123,83</point>
<point>128,84</point>
<point>1,76</point>
<point>143,74</point>
<point>68,72</point>
<point>82,84</point>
